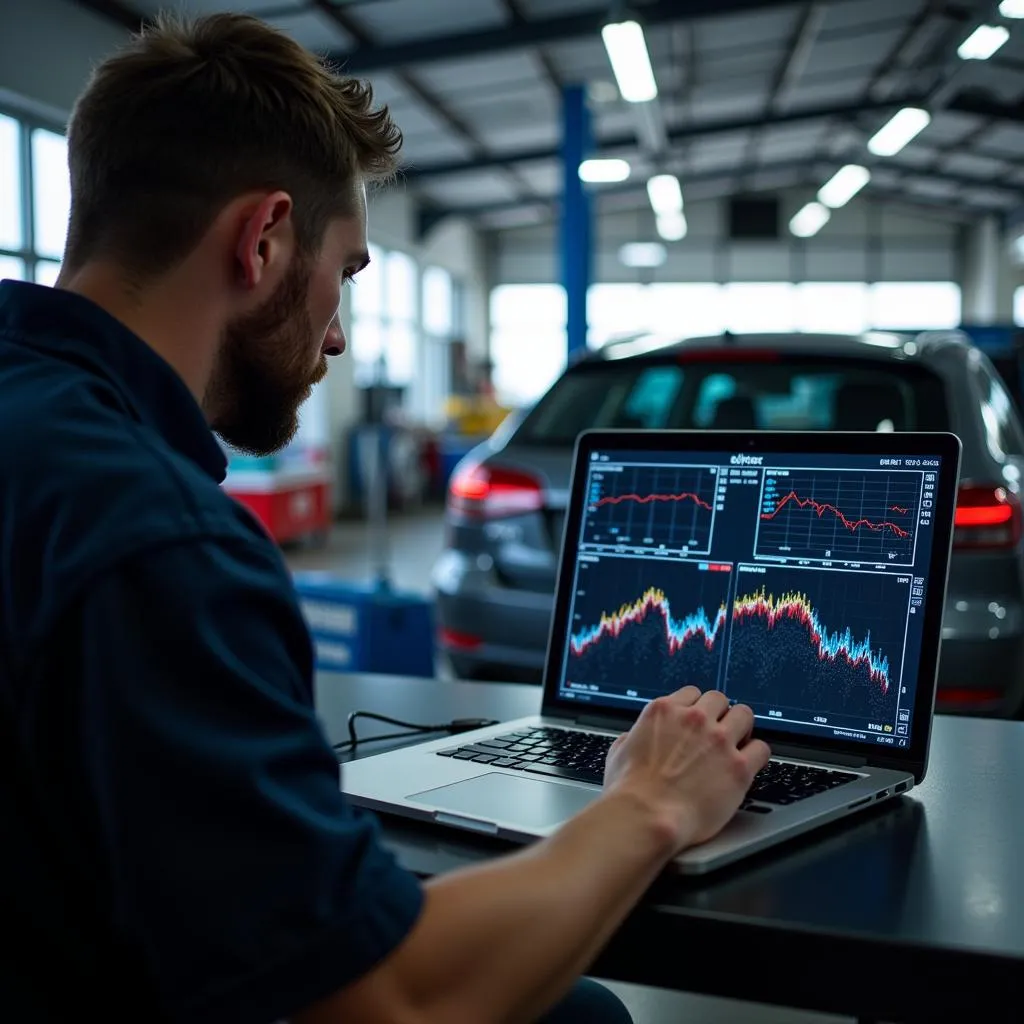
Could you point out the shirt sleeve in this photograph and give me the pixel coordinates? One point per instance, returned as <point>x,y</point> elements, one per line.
<point>249,882</point>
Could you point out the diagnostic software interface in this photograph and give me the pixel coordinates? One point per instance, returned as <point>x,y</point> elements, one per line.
<point>793,583</point>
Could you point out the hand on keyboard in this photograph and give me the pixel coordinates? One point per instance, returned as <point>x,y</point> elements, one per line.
<point>690,758</point>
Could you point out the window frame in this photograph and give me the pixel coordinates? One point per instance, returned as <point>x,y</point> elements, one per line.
<point>26,123</point>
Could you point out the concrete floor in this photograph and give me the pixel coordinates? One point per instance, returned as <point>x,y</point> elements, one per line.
<point>414,541</point>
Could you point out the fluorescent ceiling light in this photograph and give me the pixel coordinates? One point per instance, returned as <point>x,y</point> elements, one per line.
<point>672,226</point>
<point>631,63</point>
<point>665,194</point>
<point>1012,8</point>
<point>809,220</point>
<point>843,185</point>
<point>898,131</point>
<point>600,171</point>
<point>983,42</point>
<point>643,254</point>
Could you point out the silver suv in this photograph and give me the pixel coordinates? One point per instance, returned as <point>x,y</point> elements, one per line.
<point>495,579</point>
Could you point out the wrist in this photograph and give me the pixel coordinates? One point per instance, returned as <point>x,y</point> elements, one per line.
<point>652,828</point>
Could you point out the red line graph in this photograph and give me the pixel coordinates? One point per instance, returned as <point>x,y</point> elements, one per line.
<point>820,508</point>
<point>646,499</point>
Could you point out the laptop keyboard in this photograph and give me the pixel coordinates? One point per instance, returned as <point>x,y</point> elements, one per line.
<point>580,756</point>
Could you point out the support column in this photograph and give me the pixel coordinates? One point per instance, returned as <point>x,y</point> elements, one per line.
<point>984,258</point>
<point>576,238</point>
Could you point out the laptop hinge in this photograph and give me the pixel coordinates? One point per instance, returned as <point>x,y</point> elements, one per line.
<point>610,722</point>
<point>809,754</point>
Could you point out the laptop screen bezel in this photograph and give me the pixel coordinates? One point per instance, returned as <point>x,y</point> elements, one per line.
<point>944,445</point>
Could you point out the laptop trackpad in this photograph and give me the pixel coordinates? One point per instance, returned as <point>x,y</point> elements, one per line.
<point>525,802</point>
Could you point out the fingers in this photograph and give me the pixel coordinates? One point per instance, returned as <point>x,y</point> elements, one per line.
<point>687,696</point>
<point>757,754</point>
<point>714,703</point>
<point>739,723</point>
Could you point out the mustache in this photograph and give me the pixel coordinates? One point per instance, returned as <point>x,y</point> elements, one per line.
<point>320,372</point>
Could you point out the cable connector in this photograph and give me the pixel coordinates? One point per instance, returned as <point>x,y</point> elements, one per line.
<point>458,725</point>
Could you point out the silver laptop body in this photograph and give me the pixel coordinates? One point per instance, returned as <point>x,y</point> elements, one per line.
<point>803,574</point>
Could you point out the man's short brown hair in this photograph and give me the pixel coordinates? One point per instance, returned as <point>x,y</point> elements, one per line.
<point>190,115</point>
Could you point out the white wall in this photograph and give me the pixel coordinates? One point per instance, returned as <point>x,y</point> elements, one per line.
<point>865,241</point>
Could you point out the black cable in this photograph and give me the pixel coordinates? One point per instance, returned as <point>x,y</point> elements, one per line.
<point>455,726</point>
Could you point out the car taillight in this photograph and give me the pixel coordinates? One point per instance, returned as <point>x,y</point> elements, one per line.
<point>488,492</point>
<point>986,517</point>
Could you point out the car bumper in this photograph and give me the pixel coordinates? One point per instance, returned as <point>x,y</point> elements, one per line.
<point>982,665</point>
<point>485,626</point>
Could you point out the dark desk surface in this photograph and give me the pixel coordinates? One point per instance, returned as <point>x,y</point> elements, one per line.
<point>913,911</point>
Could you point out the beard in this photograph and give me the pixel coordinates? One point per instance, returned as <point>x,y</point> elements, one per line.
<point>263,374</point>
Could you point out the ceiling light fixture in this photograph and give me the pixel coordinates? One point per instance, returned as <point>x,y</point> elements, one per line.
<point>983,42</point>
<point>1012,8</point>
<point>843,185</point>
<point>809,220</point>
<point>603,171</point>
<point>898,131</point>
<point>643,254</point>
<point>665,194</point>
<point>631,63</point>
<point>672,226</point>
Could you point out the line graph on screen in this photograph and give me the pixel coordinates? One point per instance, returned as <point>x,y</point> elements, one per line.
<point>652,507</point>
<point>834,514</point>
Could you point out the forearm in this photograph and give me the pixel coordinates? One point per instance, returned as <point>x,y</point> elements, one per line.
<point>501,942</point>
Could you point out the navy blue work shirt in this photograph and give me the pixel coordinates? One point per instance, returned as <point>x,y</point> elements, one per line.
<point>173,839</point>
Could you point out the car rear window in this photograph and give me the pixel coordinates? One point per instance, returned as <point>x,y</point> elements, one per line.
<point>780,394</point>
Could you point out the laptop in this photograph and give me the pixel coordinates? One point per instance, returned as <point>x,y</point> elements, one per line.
<point>803,574</point>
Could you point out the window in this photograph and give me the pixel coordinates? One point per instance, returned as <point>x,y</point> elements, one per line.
<point>925,305</point>
<point>528,340</point>
<point>46,272</point>
<point>10,184</point>
<point>759,308</point>
<point>438,305</point>
<point>12,268</point>
<point>840,308</point>
<point>673,310</point>
<point>385,322</point>
<point>784,394</point>
<point>35,201</point>
<point>1002,429</point>
<point>51,192</point>
<point>1018,306</point>
<point>438,302</point>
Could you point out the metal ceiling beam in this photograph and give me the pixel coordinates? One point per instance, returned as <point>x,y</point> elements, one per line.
<point>807,170</point>
<point>425,95</point>
<point>515,13</point>
<point>690,131</point>
<point>536,32</point>
<point>788,72</point>
<point>117,11</point>
<point>971,102</point>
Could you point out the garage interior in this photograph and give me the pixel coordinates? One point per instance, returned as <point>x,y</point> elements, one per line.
<point>833,167</point>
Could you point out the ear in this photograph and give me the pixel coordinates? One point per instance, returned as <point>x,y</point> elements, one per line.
<point>266,241</point>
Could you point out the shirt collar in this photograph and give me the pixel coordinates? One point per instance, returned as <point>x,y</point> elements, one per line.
<point>75,329</point>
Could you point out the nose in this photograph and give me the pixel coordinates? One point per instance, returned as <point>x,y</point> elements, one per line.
<point>334,340</point>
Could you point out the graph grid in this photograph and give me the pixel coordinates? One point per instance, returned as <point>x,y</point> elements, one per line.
<point>652,507</point>
<point>824,515</point>
<point>819,642</point>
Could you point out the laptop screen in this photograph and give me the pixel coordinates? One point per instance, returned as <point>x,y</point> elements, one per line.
<point>794,583</point>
